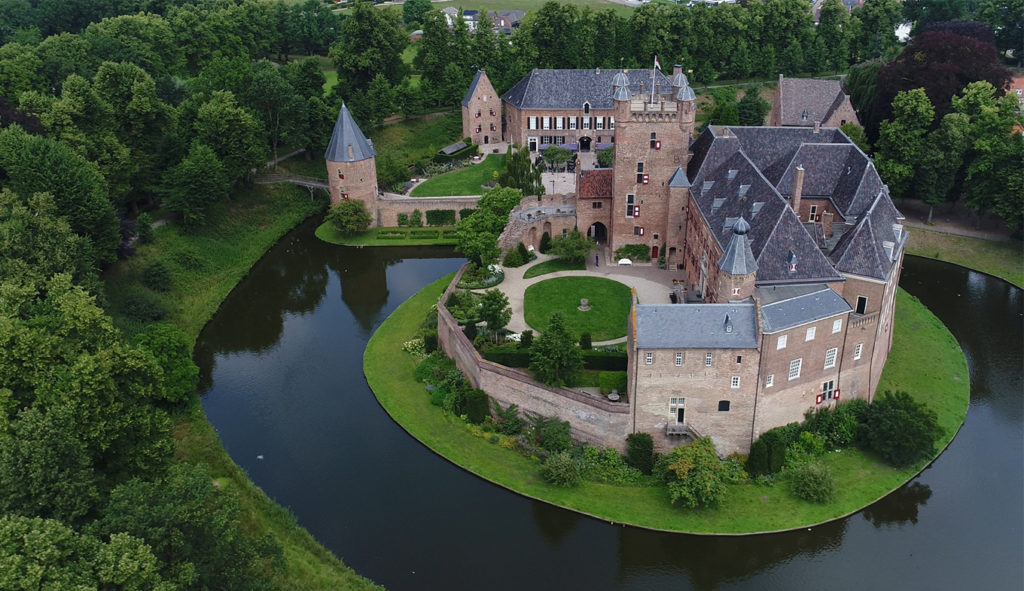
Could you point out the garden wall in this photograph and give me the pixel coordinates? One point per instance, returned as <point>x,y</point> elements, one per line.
<point>593,420</point>
<point>389,205</point>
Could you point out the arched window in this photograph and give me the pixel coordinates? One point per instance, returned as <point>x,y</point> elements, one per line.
<point>586,108</point>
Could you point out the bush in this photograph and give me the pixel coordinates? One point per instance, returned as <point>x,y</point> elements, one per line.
<point>813,482</point>
<point>189,258</point>
<point>508,421</point>
<point>509,355</point>
<point>553,434</point>
<point>349,217</point>
<point>465,213</point>
<point>900,429</point>
<point>840,426</point>
<point>470,331</point>
<point>440,217</point>
<point>477,406</point>
<point>545,243</point>
<point>416,219</point>
<point>403,220</point>
<point>807,447</point>
<point>634,252</point>
<point>612,380</point>
<point>526,339</point>
<point>144,228</point>
<point>525,253</point>
<point>513,259</point>
<point>768,453</point>
<point>585,343</point>
<point>695,474</point>
<point>640,451</point>
<point>144,307</point>
<point>561,469</point>
<point>430,341</point>
<point>604,360</point>
<point>157,276</point>
<point>608,466</point>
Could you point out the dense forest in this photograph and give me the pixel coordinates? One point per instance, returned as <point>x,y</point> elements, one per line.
<point>110,110</point>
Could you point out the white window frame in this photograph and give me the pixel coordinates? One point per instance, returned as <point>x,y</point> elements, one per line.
<point>559,122</point>
<point>679,359</point>
<point>735,383</point>
<point>781,343</point>
<point>810,333</point>
<point>794,368</point>
<point>769,381</point>
<point>531,122</point>
<point>708,359</point>
<point>572,123</point>
<point>586,123</point>
<point>857,351</point>
<point>648,358</point>
<point>837,325</point>
<point>611,123</point>
<point>830,357</point>
<point>545,122</point>
<point>599,123</point>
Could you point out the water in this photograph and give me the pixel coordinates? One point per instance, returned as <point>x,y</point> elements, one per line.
<point>281,367</point>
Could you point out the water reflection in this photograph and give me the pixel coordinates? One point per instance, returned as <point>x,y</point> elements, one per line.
<point>900,507</point>
<point>553,523</point>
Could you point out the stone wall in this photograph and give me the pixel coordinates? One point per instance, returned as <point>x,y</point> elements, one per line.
<point>389,205</point>
<point>593,420</point>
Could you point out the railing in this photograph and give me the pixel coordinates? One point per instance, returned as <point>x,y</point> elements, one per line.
<point>859,320</point>
<point>681,430</point>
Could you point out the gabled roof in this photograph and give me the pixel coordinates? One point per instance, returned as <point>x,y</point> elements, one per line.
<point>788,306</point>
<point>861,250</point>
<point>569,89</point>
<point>595,183</point>
<point>679,179</point>
<point>804,101</point>
<point>348,144</point>
<point>472,87</point>
<point>696,326</point>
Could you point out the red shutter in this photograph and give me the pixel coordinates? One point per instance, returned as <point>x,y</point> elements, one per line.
<point>636,212</point>
<point>657,145</point>
<point>819,399</point>
<point>837,393</point>
<point>647,179</point>
<point>344,195</point>
<point>641,230</point>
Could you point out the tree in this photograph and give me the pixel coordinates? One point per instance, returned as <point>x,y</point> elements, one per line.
<point>861,84</point>
<point>695,474</point>
<point>940,170</point>
<point>281,109</point>
<point>520,172</point>
<point>1007,18</point>
<point>606,157</point>
<point>751,109</point>
<point>640,451</point>
<point>232,132</point>
<point>173,353</point>
<point>349,217</point>
<point>194,184</point>
<point>495,311</point>
<point>371,43</point>
<point>555,359</point>
<point>555,155</point>
<point>413,11</point>
<point>901,140</point>
<point>900,429</point>
<point>574,246</point>
<point>857,136</point>
<point>874,29</point>
<point>834,31</point>
<point>380,100</point>
<point>477,239</point>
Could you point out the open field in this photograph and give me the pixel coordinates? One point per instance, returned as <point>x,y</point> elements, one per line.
<point>465,181</point>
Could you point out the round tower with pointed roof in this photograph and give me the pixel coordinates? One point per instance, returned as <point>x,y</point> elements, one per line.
<point>737,267</point>
<point>351,164</point>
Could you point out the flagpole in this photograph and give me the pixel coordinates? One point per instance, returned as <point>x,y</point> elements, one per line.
<point>652,78</point>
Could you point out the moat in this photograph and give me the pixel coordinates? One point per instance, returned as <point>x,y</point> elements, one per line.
<point>282,379</point>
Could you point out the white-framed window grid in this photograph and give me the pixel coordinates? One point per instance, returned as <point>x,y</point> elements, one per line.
<point>810,333</point>
<point>781,343</point>
<point>708,358</point>
<point>769,381</point>
<point>837,325</point>
<point>679,359</point>
<point>830,358</point>
<point>648,358</point>
<point>794,368</point>
<point>857,351</point>
<point>735,382</point>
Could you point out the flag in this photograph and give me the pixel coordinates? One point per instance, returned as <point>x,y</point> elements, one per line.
<point>657,64</point>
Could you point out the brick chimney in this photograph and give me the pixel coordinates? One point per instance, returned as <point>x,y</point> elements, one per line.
<point>817,126</point>
<point>826,222</point>
<point>798,189</point>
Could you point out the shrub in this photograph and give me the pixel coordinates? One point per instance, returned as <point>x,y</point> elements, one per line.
<point>526,339</point>
<point>695,474</point>
<point>605,360</point>
<point>525,253</point>
<point>813,482</point>
<point>840,426</point>
<point>440,217</point>
<point>640,451</point>
<point>561,469</point>
<point>608,466</point>
<point>900,429</point>
<point>606,157</point>
<point>805,449</point>
<point>144,228</point>
<point>634,252</point>
<point>428,369</point>
<point>429,341</point>
<point>465,213</point>
<point>508,422</point>
<point>157,276</point>
<point>403,219</point>
<point>585,342</point>
<point>349,217</point>
<point>553,434</point>
<point>545,243</point>
<point>513,259</point>
<point>144,306</point>
<point>768,453</point>
<point>189,258</point>
<point>416,219</point>
<point>612,380</point>
<point>477,406</point>
<point>470,331</point>
<point>509,355</point>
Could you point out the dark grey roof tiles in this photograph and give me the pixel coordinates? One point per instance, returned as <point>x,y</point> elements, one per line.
<point>787,312</point>
<point>348,144</point>
<point>806,100</point>
<point>686,94</point>
<point>696,326</point>
<point>472,88</point>
<point>738,259</point>
<point>772,148</point>
<point>823,164</point>
<point>679,179</point>
<point>861,251</point>
<point>569,89</point>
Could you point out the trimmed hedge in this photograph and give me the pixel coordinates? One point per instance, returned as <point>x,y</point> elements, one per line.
<point>440,217</point>
<point>465,213</point>
<point>511,355</point>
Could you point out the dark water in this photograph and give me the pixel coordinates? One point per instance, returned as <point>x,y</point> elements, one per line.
<point>282,373</point>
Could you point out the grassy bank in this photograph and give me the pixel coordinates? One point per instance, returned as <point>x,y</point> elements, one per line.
<point>925,360</point>
<point>443,236</point>
<point>206,265</point>
<point>1004,259</point>
<point>465,181</point>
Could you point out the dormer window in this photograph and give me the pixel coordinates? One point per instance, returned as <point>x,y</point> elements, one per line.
<point>792,261</point>
<point>586,108</point>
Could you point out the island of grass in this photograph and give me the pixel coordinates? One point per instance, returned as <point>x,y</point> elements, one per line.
<point>554,266</point>
<point>465,181</point>
<point>430,236</point>
<point>925,360</point>
<point>605,320</point>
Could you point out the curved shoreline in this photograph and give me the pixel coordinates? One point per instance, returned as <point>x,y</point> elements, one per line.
<point>406,403</point>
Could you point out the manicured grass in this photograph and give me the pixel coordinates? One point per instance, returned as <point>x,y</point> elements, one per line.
<point>465,181</point>
<point>553,266</point>
<point>609,305</point>
<point>924,356</point>
<point>1002,259</point>
<point>412,236</point>
<point>237,234</point>
<point>413,140</point>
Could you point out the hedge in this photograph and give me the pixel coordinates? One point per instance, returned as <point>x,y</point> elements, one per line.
<point>510,355</point>
<point>440,217</point>
<point>465,213</point>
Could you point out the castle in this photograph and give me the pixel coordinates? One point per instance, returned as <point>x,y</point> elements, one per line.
<point>785,238</point>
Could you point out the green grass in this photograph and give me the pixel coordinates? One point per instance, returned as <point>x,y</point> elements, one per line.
<point>412,140</point>
<point>444,236</point>
<point>1004,259</point>
<point>237,234</point>
<point>925,359</point>
<point>331,80</point>
<point>315,167</point>
<point>465,181</point>
<point>553,266</point>
<point>609,305</point>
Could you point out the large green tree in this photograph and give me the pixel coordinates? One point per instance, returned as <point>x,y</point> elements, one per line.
<point>900,429</point>
<point>232,132</point>
<point>555,359</point>
<point>574,246</point>
<point>371,43</point>
<point>195,183</point>
<point>520,172</point>
<point>495,311</point>
<point>349,217</point>
<point>695,474</point>
<point>901,140</point>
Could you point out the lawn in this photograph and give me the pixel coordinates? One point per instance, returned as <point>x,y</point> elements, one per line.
<point>553,266</point>
<point>444,236</point>
<point>413,140</point>
<point>609,305</point>
<point>465,181</point>
<point>925,358</point>
<point>1003,259</point>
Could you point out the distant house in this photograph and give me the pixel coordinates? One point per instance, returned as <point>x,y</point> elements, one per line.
<point>504,21</point>
<point>1017,89</point>
<point>810,102</point>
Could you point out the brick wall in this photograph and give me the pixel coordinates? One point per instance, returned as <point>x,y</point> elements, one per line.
<point>483,112</point>
<point>359,182</point>
<point>389,205</point>
<point>517,125</point>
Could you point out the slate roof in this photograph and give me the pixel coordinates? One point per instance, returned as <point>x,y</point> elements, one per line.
<point>679,179</point>
<point>802,101</point>
<point>738,258</point>
<point>569,89</point>
<point>785,307</point>
<point>861,250</point>
<point>348,139</point>
<point>696,326</point>
<point>595,183</point>
<point>840,172</point>
<point>472,88</point>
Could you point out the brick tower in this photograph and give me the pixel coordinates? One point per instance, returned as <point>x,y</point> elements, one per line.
<point>351,164</point>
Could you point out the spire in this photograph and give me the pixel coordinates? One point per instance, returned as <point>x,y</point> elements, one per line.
<point>738,259</point>
<point>348,144</point>
<point>620,80</point>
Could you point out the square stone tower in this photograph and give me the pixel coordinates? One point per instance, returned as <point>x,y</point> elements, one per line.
<point>481,112</point>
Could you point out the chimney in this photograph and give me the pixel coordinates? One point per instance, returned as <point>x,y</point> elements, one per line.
<point>798,189</point>
<point>817,126</point>
<point>826,222</point>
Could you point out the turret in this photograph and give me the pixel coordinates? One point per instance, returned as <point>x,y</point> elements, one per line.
<point>351,164</point>
<point>686,102</point>
<point>737,268</point>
